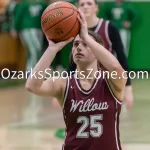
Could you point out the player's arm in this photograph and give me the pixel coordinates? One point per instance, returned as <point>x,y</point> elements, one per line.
<point>36,82</point>
<point>118,48</point>
<point>117,75</point>
<point>105,57</point>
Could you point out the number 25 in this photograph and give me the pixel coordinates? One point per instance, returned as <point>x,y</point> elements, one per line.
<point>96,128</point>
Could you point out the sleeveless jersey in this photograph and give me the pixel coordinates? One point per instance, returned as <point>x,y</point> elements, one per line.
<point>91,116</point>
<point>102,30</point>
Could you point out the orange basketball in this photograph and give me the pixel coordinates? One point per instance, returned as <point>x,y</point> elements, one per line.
<point>59,21</point>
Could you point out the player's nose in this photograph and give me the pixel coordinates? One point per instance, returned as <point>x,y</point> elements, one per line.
<point>79,48</point>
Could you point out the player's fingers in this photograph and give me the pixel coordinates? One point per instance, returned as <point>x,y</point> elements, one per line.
<point>63,43</point>
<point>47,38</point>
<point>81,22</point>
<point>82,16</point>
<point>70,40</point>
<point>49,41</point>
<point>129,105</point>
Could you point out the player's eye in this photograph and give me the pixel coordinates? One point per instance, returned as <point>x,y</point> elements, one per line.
<point>89,3</point>
<point>82,4</point>
<point>75,44</point>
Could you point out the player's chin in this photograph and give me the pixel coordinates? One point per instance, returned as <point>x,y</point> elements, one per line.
<point>77,60</point>
<point>81,61</point>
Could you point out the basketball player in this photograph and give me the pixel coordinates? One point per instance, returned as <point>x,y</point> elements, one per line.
<point>91,105</point>
<point>111,38</point>
<point>125,17</point>
<point>28,26</point>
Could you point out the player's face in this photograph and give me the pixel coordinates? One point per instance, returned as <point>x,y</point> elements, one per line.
<point>119,1</point>
<point>82,54</point>
<point>88,7</point>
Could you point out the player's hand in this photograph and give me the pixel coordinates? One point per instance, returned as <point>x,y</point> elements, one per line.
<point>126,24</point>
<point>58,45</point>
<point>83,25</point>
<point>128,97</point>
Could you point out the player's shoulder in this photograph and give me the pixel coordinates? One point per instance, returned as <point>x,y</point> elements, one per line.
<point>111,26</point>
<point>107,21</point>
<point>62,81</point>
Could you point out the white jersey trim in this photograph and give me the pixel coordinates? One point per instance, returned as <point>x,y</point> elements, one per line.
<point>66,93</point>
<point>99,25</point>
<point>107,35</point>
<point>116,127</point>
<point>63,147</point>
<point>118,101</point>
<point>85,91</point>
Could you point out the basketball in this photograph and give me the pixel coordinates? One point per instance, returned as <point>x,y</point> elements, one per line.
<point>59,21</point>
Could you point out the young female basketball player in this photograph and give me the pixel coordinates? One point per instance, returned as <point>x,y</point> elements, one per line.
<point>111,38</point>
<point>91,105</point>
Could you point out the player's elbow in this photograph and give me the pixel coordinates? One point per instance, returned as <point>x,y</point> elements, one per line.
<point>122,74</point>
<point>118,68</point>
<point>29,88</point>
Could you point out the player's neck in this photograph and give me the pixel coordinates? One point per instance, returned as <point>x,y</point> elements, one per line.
<point>92,21</point>
<point>87,73</point>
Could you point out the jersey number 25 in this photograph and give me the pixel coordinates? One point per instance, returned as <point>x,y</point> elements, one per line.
<point>96,128</point>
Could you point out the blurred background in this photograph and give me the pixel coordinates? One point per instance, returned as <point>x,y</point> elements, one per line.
<point>28,122</point>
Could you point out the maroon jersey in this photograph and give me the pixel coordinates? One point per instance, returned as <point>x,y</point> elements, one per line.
<point>91,116</point>
<point>102,30</point>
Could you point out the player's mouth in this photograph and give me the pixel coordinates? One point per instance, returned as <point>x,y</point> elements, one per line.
<point>86,11</point>
<point>79,55</point>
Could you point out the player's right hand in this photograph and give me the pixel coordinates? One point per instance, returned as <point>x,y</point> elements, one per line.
<point>58,45</point>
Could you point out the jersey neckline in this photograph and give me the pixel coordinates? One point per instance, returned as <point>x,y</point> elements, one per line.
<point>81,88</point>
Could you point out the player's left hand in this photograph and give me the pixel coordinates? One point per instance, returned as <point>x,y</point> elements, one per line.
<point>83,25</point>
<point>128,97</point>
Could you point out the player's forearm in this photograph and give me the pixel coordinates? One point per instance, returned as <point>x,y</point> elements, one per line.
<point>38,75</point>
<point>103,55</point>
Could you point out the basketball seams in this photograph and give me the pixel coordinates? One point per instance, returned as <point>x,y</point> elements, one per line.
<point>60,21</point>
<point>56,8</point>
<point>70,14</point>
<point>70,29</point>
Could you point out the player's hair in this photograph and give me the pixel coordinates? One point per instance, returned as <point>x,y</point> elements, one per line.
<point>97,38</point>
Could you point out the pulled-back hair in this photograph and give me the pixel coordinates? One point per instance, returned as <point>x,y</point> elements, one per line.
<point>97,38</point>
